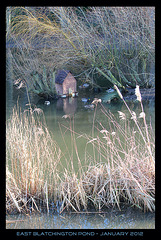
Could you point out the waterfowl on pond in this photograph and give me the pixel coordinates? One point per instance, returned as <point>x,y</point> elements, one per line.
<point>74,94</point>
<point>47,103</point>
<point>110,90</point>
<point>85,85</point>
<point>63,96</point>
<point>90,106</point>
<point>85,99</point>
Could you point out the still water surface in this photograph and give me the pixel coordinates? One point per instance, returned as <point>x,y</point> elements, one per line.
<point>112,219</point>
<point>83,122</point>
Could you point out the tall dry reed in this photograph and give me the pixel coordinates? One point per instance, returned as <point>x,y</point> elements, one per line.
<point>119,170</point>
<point>32,158</point>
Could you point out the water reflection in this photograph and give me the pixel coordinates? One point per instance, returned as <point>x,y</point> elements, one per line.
<point>83,122</point>
<point>67,105</point>
<point>112,219</point>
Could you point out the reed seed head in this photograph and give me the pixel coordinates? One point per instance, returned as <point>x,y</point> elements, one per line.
<point>133,115</point>
<point>38,110</point>
<point>137,93</point>
<point>96,101</point>
<point>122,115</point>
<point>104,131</point>
<point>142,115</point>
<point>66,116</point>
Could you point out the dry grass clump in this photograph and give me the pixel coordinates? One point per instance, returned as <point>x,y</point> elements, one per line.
<point>13,194</point>
<point>31,160</point>
<point>127,149</point>
<point>72,193</point>
<point>98,178</point>
<point>120,169</point>
<point>102,186</point>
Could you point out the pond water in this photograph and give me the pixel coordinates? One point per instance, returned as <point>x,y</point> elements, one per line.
<point>83,122</point>
<point>128,218</point>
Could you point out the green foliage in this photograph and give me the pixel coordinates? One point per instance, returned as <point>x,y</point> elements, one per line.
<point>44,84</point>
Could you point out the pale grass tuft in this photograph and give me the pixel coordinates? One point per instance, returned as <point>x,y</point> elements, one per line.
<point>30,154</point>
<point>113,133</point>
<point>104,131</point>
<point>17,81</point>
<point>96,101</point>
<point>38,110</point>
<point>137,93</point>
<point>122,115</point>
<point>66,116</point>
<point>142,115</point>
<point>133,116</point>
<point>92,140</point>
<point>20,82</point>
<point>40,131</point>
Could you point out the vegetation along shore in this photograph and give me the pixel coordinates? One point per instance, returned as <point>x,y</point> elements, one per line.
<point>52,50</point>
<point>120,170</point>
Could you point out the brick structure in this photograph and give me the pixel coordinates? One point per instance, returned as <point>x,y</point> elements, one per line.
<point>65,83</point>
